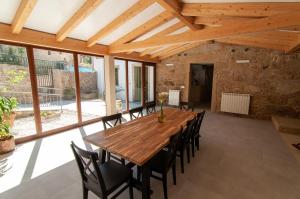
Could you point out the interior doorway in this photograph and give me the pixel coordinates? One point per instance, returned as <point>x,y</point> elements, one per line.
<point>200,85</point>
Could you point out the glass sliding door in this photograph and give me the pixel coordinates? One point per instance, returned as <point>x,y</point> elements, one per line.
<point>56,88</point>
<point>92,86</point>
<point>121,85</point>
<point>135,90</point>
<point>15,85</point>
<point>149,83</point>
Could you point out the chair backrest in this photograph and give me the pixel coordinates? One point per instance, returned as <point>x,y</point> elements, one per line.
<point>173,146</point>
<point>150,107</point>
<point>136,113</point>
<point>188,131</point>
<point>112,120</point>
<point>88,167</point>
<point>186,106</point>
<point>200,117</point>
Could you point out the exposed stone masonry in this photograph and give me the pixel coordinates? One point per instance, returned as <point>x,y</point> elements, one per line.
<point>272,77</point>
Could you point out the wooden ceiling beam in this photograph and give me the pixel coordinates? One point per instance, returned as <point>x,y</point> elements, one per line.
<point>22,14</point>
<point>87,8</point>
<point>144,28</point>
<point>167,31</point>
<point>295,46</point>
<point>259,25</point>
<point>239,9</point>
<point>181,49</point>
<point>165,50</point>
<point>254,41</point>
<point>217,21</point>
<point>127,15</point>
<point>41,39</point>
<point>174,7</point>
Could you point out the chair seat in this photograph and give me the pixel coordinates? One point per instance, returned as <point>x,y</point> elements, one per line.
<point>113,174</point>
<point>160,162</point>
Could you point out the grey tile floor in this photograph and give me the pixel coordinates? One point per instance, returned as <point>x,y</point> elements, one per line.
<point>238,158</point>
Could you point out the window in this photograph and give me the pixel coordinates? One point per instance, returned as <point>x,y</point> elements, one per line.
<point>149,83</point>
<point>121,87</point>
<point>135,84</point>
<point>15,84</point>
<point>117,75</point>
<point>92,87</point>
<point>56,88</point>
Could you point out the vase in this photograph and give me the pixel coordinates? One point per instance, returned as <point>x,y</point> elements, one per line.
<point>161,117</point>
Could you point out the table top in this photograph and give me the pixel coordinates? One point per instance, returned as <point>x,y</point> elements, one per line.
<point>139,140</point>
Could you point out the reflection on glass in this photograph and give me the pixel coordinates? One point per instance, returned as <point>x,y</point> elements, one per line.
<point>149,83</point>
<point>15,83</point>
<point>92,86</point>
<point>135,84</point>
<point>120,79</point>
<point>56,88</point>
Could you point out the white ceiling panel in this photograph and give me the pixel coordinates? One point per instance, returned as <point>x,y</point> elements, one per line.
<point>236,1</point>
<point>158,29</point>
<point>106,12</point>
<point>50,15</point>
<point>144,16</point>
<point>8,8</point>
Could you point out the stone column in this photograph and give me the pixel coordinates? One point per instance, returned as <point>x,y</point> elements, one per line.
<point>110,87</point>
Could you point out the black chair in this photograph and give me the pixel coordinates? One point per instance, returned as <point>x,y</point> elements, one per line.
<point>101,179</point>
<point>136,113</point>
<point>164,160</point>
<point>186,106</point>
<point>195,140</point>
<point>112,121</point>
<point>184,143</point>
<point>150,107</point>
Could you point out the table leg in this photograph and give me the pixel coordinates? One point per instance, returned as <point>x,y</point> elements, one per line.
<point>103,155</point>
<point>145,181</point>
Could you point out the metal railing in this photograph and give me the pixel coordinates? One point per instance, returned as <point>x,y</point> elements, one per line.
<point>50,98</point>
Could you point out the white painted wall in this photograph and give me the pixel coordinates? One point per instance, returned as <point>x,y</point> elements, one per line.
<point>99,68</point>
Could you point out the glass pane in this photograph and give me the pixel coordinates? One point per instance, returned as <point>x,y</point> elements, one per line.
<point>135,84</point>
<point>149,83</point>
<point>120,79</point>
<point>92,86</point>
<point>15,83</point>
<point>56,88</point>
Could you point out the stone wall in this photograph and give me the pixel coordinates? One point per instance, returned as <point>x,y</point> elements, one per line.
<point>272,78</point>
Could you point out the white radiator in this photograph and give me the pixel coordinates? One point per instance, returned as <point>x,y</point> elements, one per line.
<point>235,103</point>
<point>174,97</point>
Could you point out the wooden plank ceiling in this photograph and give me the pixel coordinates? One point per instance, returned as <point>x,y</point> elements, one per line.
<point>150,30</point>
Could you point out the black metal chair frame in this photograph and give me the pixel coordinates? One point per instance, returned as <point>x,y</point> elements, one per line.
<point>171,163</point>
<point>195,139</point>
<point>186,106</point>
<point>117,119</point>
<point>138,110</point>
<point>150,107</point>
<point>93,179</point>
<point>184,143</point>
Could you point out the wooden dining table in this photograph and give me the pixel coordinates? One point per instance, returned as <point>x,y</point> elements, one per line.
<point>139,140</point>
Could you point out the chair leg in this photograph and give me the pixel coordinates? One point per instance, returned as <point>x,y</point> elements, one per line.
<point>138,173</point>
<point>85,192</point>
<point>108,156</point>
<point>197,142</point>
<point>193,146</point>
<point>165,186</point>
<point>174,173</point>
<point>188,153</point>
<point>130,189</point>
<point>182,160</point>
<point>123,161</point>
